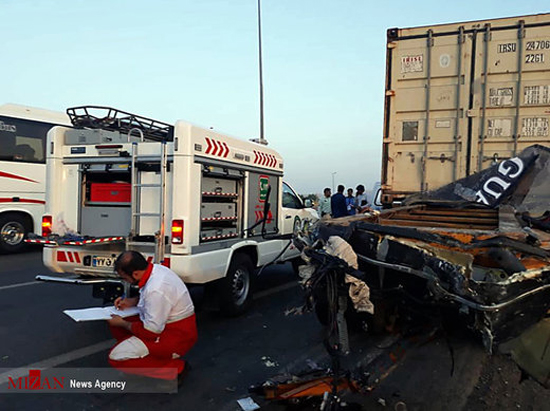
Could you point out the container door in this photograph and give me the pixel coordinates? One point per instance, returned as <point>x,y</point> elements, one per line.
<point>426,97</point>
<point>514,93</point>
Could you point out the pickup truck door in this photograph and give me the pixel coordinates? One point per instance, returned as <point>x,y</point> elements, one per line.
<point>293,214</point>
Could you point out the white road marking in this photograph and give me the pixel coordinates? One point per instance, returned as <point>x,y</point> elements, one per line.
<point>7,287</point>
<point>57,360</point>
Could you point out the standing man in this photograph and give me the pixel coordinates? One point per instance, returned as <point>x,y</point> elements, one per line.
<point>324,203</point>
<point>350,202</point>
<point>152,343</point>
<point>338,203</point>
<point>361,203</point>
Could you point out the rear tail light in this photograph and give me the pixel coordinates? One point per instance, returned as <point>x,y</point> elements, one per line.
<point>46,225</point>
<point>177,231</point>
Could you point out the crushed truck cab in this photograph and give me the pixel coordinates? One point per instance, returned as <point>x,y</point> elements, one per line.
<point>191,198</point>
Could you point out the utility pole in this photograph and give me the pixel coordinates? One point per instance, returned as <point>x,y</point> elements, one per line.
<point>333,188</point>
<point>262,139</point>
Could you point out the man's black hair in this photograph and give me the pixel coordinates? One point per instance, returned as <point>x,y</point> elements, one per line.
<point>130,261</point>
<point>360,187</point>
<point>341,188</point>
<point>325,190</point>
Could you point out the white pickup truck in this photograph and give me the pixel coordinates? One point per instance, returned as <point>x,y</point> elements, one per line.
<point>190,198</point>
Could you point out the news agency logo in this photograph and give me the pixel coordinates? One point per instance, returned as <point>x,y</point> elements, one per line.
<point>34,381</point>
<point>81,380</point>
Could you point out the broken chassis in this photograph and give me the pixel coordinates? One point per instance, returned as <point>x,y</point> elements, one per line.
<point>501,300</point>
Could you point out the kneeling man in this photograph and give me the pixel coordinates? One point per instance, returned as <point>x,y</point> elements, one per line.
<point>152,343</point>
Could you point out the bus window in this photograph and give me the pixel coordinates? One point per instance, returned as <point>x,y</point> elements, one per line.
<point>23,140</point>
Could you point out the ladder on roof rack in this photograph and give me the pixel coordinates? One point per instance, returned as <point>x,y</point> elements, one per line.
<point>108,118</point>
<point>136,198</point>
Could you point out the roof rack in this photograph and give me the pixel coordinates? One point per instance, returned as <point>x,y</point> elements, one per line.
<point>108,118</point>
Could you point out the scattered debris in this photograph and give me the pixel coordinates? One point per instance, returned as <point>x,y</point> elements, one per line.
<point>294,311</point>
<point>248,404</point>
<point>400,406</point>
<point>381,401</point>
<point>312,364</point>
<point>268,362</point>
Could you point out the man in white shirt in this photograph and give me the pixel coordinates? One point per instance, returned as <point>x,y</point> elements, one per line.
<point>361,203</point>
<point>152,343</point>
<point>324,204</point>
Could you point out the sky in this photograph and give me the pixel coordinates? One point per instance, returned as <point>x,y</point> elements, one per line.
<point>323,68</point>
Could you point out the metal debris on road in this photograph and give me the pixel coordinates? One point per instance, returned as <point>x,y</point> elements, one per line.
<point>268,362</point>
<point>248,404</point>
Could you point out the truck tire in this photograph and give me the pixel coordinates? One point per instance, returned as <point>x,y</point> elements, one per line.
<point>235,290</point>
<point>14,228</point>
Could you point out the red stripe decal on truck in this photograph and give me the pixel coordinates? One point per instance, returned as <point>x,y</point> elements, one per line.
<point>216,148</point>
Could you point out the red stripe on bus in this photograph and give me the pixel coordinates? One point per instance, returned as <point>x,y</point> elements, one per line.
<point>21,200</point>
<point>16,177</point>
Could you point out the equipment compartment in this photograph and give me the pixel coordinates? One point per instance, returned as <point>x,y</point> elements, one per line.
<point>110,192</point>
<point>218,211</point>
<point>221,208</point>
<point>218,186</point>
<point>218,233</point>
<point>105,221</point>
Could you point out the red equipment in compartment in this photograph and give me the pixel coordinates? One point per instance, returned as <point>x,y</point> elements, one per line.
<point>110,192</point>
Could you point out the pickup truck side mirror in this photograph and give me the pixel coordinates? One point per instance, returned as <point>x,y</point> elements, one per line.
<point>307,203</point>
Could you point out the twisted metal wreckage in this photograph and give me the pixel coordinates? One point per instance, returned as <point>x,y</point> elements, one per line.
<point>477,249</point>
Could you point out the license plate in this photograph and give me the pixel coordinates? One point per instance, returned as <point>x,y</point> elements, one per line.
<point>98,261</point>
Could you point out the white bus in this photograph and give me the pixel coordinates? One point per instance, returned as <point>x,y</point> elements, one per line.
<point>23,170</point>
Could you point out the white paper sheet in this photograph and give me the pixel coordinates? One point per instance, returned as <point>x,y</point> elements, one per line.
<point>100,313</point>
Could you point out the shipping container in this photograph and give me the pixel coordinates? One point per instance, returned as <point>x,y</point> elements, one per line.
<point>460,97</point>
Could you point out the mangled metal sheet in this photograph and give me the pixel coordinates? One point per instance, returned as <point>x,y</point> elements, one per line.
<point>479,246</point>
<point>522,182</point>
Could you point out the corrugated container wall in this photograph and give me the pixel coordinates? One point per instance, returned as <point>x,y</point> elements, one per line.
<point>460,97</point>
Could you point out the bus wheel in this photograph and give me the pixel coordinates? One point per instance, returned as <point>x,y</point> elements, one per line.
<point>13,230</point>
<point>235,290</point>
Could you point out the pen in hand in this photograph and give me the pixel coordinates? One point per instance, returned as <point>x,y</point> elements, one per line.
<point>119,300</point>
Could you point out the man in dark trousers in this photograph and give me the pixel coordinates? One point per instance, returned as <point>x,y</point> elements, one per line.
<point>350,202</point>
<point>338,203</point>
<point>152,343</point>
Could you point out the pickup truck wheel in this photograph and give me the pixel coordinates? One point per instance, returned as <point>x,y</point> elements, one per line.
<point>13,230</point>
<point>235,290</point>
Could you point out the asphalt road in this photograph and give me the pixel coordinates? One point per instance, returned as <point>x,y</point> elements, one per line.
<point>34,333</point>
<point>234,353</point>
